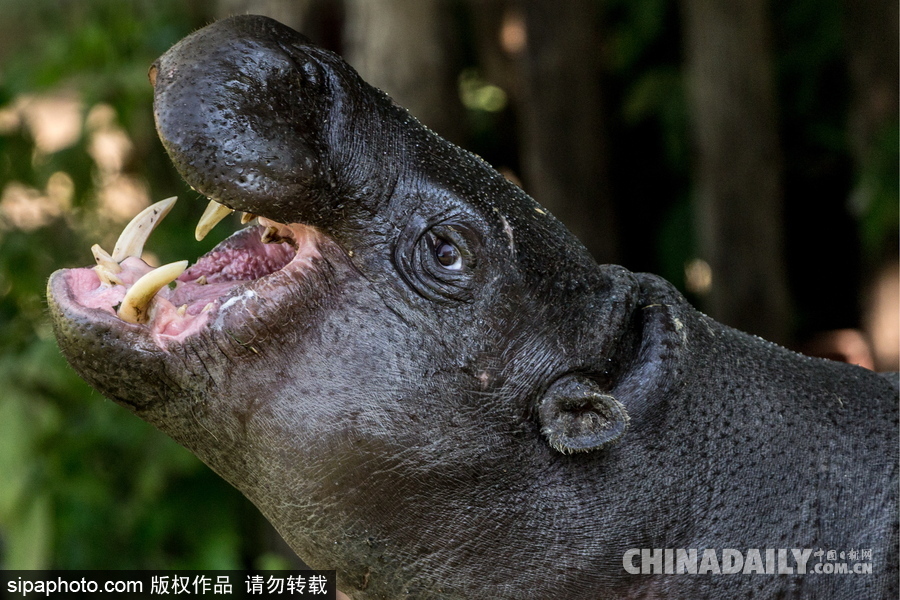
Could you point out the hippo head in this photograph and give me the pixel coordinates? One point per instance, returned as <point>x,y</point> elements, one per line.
<point>412,369</point>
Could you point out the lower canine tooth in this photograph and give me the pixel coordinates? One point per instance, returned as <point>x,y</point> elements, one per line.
<point>136,303</point>
<point>132,239</point>
<point>181,310</point>
<point>214,213</point>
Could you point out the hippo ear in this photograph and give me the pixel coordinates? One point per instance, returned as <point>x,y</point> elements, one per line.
<point>577,416</point>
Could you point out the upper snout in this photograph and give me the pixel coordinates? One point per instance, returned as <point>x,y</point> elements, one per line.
<point>239,107</point>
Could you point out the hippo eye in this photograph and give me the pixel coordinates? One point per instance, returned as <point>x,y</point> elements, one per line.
<point>447,255</point>
<point>440,261</point>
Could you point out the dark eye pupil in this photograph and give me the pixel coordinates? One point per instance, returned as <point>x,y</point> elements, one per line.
<point>446,254</point>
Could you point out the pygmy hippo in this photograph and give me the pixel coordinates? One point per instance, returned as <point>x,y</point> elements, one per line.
<point>425,382</point>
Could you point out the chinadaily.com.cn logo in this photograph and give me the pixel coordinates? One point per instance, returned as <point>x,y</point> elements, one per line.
<point>752,561</point>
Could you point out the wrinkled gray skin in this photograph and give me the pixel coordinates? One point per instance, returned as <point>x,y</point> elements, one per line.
<point>506,430</point>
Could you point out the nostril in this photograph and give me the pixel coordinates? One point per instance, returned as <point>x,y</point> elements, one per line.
<point>151,74</point>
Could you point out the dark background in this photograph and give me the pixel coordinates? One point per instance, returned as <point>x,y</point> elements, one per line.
<point>747,151</point>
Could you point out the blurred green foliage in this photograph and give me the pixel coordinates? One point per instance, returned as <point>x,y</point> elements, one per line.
<point>876,194</point>
<point>84,484</point>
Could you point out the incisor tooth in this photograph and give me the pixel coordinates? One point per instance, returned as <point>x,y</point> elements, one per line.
<point>106,268</point>
<point>136,303</point>
<point>214,213</point>
<point>270,235</point>
<point>104,260</point>
<point>247,217</point>
<point>106,277</point>
<point>132,239</point>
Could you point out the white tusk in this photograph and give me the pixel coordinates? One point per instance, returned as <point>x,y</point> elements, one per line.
<point>132,239</point>
<point>135,304</point>
<point>214,213</point>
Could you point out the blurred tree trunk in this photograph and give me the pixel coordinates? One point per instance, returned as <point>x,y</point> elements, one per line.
<point>560,110</point>
<point>499,30</point>
<point>738,195</point>
<point>872,34</point>
<point>408,48</point>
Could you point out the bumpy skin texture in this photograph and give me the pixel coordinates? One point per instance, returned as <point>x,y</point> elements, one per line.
<point>505,430</point>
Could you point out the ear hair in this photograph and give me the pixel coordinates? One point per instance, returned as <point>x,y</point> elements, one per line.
<point>577,416</point>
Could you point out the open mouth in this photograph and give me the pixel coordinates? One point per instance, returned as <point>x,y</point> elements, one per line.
<point>175,301</point>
